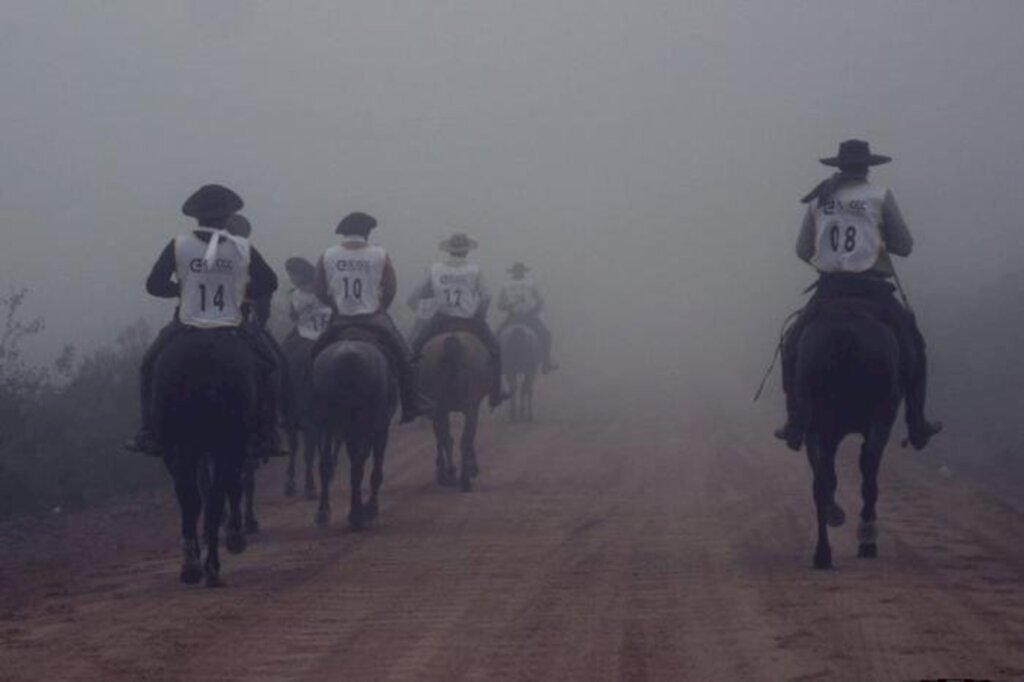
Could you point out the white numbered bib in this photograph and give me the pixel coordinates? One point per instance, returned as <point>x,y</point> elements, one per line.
<point>455,288</point>
<point>354,278</point>
<point>520,295</point>
<point>313,316</point>
<point>847,234</point>
<point>212,291</point>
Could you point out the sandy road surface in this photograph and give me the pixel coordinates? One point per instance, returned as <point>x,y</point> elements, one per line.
<point>590,550</point>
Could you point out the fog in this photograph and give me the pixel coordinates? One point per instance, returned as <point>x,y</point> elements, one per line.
<point>646,159</point>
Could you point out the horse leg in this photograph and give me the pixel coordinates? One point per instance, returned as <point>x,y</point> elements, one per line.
<point>186,487</point>
<point>372,508</point>
<point>213,511</point>
<point>251,524</point>
<point>822,466</point>
<point>469,468</point>
<point>323,513</point>
<point>309,449</point>
<point>443,437</point>
<point>238,478</point>
<point>289,483</point>
<point>870,461</point>
<point>528,394</point>
<point>357,454</point>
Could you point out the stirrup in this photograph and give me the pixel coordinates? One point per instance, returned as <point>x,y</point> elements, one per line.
<point>792,436</point>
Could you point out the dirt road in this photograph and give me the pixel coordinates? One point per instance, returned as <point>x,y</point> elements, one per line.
<point>590,550</point>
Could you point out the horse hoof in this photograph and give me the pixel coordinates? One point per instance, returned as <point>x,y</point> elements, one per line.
<point>836,516</point>
<point>356,524</point>
<point>252,526</point>
<point>867,533</point>
<point>191,573</point>
<point>235,541</point>
<point>371,510</point>
<point>823,560</point>
<point>323,516</point>
<point>867,551</point>
<point>289,489</point>
<point>214,580</point>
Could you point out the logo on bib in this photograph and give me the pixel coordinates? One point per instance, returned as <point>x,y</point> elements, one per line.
<point>220,265</point>
<point>352,265</point>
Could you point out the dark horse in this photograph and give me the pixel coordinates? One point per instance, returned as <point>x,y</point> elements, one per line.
<point>299,353</point>
<point>355,394</point>
<point>848,382</point>
<point>204,402</point>
<point>520,361</point>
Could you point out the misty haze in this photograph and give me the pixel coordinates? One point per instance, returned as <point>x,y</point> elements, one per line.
<point>646,163</point>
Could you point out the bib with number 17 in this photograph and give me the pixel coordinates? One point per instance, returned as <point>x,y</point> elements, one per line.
<point>847,234</point>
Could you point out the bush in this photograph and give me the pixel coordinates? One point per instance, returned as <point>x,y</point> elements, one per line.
<point>61,428</point>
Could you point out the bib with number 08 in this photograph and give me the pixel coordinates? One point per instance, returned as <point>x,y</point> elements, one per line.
<point>847,234</point>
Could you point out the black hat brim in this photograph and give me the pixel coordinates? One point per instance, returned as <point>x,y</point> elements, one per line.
<point>869,160</point>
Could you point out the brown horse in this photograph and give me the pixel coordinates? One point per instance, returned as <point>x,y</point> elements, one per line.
<point>455,376</point>
<point>303,435</point>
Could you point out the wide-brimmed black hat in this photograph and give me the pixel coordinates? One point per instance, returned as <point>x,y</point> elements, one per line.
<point>299,268</point>
<point>459,242</point>
<point>518,268</point>
<point>855,153</point>
<point>212,202</point>
<point>356,223</point>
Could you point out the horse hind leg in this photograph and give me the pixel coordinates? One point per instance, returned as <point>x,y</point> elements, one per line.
<point>372,507</point>
<point>445,467</point>
<point>251,524</point>
<point>823,467</point>
<point>867,530</point>
<point>469,469</point>
<point>309,450</point>
<point>357,454</point>
<point>186,487</point>
<point>327,455</point>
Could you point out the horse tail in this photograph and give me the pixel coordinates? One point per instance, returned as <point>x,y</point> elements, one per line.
<point>451,357</point>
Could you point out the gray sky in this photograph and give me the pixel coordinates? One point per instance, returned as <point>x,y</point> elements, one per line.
<point>645,157</point>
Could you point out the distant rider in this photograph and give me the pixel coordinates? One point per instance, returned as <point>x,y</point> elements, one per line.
<point>457,293</point>
<point>521,300</point>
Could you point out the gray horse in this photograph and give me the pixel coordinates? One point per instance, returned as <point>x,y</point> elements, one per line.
<point>204,402</point>
<point>848,383</point>
<point>355,395</point>
<point>455,376</point>
<point>520,361</point>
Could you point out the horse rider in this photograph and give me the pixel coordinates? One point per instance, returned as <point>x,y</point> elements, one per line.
<point>357,281</point>
<point>455,289</point>
<point>522,303</point>
<point>256,314</point>
<point>308,313</point>
<point>211,272</point>
<point>850,230</point>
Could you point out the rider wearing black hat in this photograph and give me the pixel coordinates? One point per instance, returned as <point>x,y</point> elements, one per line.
<point>357,280</point>
<point>849,230</point>
<point>211,272</point>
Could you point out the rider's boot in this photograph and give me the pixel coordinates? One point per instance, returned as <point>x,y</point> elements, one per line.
<point>497,394</point>
<point>791,432</point>
<point>919,429</point>
<point>414,403</point>
<point>144,441</point>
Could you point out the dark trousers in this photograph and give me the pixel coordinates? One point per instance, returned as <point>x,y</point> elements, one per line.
<point>913,357</point>
<point>539,328</point>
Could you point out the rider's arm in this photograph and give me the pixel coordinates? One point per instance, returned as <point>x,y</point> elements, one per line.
<point>483,296</point>
<point>424,290</point>
<point>538,302</point>
<point>293,314</point>
<point>894,230</point>
<point>388,284</point>
<point>504,305</point>
<point>262,280</point>
<point>160,282</point>
<point>320,285</point>
<point>805,242</point>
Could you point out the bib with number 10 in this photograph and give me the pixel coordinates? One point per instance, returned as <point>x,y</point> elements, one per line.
<point>354,278</point>
<point>847,234</point>
<point>211,293</point>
